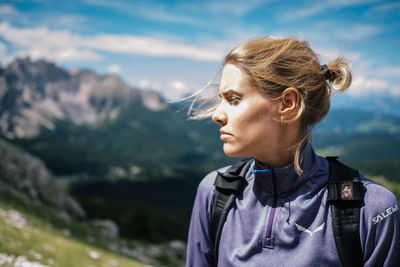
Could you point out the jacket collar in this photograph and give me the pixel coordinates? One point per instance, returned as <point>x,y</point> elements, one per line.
<point>286,179</point>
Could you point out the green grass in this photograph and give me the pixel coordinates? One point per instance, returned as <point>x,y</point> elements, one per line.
<point>39,242</point>
<point>393,186</point>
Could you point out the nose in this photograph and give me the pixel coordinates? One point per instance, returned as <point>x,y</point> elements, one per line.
<point>219,116</point>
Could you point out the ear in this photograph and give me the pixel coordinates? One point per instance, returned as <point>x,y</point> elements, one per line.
<point>289,103</point>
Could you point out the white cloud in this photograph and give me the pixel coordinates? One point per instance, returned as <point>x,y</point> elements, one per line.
<point>144,83</point>
<point>178,85</point>
<point>368,79</point>
<point>147,84</point>
<point>59,46</point>
<point>359,32</point>
<point>8,10</point>
<point>137,45</point>
<point>395,90</point>
<point>362,86</point>
<point>372,78</point>
<point>331,54</point>
<point>155,86</point>
<point>114,68</point>
<point>63,46</point>
<point>3,53</point>
<point>170,89</point>
<point>3,49</point>
<point>66,54</point>
<point>175,90</point>
<point>389,71</point>
<point>68,20</point>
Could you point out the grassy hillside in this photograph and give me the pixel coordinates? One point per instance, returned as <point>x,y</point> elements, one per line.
<point>38,233</point>
<point>26,238</point>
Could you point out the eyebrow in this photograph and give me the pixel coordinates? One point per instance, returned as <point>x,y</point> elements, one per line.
<point>229,91</point>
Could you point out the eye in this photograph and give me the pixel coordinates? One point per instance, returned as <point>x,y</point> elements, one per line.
<point>231,96</point>
<point>233,99</point>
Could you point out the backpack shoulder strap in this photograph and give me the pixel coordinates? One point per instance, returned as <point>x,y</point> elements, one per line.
<point>228,186</point>
<point>345,197</point>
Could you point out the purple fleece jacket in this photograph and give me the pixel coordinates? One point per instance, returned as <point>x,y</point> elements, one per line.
<point>282,219</point>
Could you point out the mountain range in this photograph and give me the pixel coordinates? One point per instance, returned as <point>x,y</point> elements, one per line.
<point>34,94</point>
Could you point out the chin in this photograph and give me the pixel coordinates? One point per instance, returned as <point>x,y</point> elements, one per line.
<point>232,152</point>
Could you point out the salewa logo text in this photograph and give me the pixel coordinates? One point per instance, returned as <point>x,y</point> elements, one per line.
<point>383,215</point>
<point>311,233</point>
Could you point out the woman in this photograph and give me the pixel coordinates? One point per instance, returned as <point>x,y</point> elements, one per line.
<point>272,93</point>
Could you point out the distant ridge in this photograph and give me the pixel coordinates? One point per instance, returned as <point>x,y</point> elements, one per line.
<point>357,121</point>
<point>35,93</point>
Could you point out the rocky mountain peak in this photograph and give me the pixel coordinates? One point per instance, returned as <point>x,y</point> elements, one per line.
<point>36,71</point>
<point>34,94</point>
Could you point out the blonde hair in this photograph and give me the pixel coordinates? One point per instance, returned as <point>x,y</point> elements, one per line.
<point>272,65</point>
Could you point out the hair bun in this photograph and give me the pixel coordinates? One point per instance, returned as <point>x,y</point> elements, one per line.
<point>338,74</point>
<point>327,73</point>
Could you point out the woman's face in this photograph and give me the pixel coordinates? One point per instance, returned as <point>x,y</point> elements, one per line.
<point>249,121</point>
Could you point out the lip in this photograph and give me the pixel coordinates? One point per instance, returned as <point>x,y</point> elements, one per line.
<point>224,132</point>
<point>224,135</point>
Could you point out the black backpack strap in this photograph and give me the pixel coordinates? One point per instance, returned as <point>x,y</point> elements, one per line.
<point>228,186</point>
<point>345,197</point>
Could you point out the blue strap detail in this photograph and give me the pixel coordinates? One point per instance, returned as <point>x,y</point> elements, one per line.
<point>261,171</point>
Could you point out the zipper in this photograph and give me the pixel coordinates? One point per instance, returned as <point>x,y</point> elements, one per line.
<point>269,241</point>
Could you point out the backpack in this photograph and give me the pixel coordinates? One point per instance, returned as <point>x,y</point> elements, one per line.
<point>345,197</point>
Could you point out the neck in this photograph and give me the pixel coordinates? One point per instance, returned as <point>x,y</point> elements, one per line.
<point>284,149</point>
<point>279,160</point>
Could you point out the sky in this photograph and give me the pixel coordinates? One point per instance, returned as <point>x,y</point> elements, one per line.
<point>176,47</point>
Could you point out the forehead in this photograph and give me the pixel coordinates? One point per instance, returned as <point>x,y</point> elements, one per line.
<point>232,77</point>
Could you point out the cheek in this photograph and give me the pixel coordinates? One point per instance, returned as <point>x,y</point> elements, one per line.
<point>262,127</point>
<point>256,117</point>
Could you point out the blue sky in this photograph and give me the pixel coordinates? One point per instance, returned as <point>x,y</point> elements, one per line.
<point>177,46</point>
